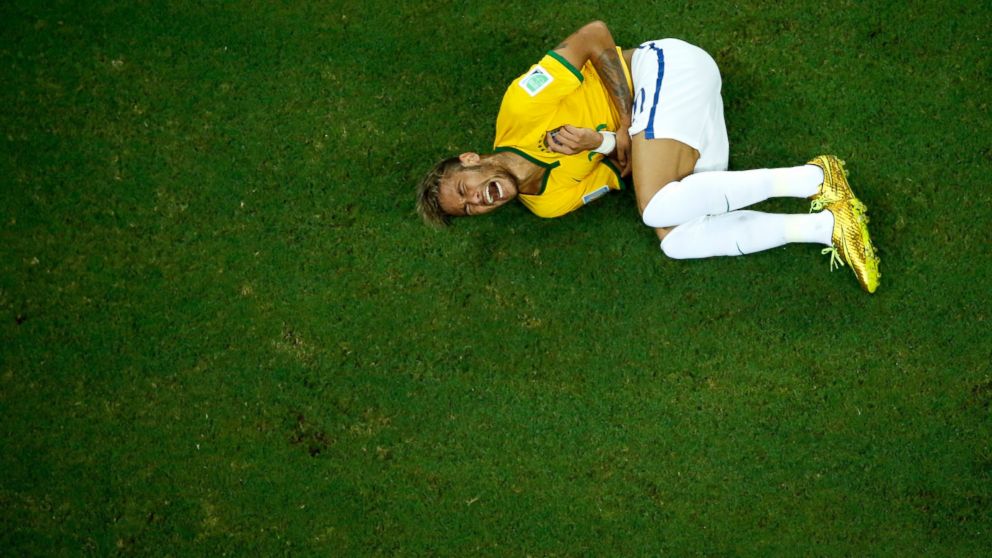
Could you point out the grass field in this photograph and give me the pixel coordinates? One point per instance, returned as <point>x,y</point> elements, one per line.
<point>224,331</point>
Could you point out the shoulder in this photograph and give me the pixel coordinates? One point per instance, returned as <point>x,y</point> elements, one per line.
<point>548,80</point>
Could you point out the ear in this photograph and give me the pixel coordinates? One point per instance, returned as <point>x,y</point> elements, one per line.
<point>469,159</point>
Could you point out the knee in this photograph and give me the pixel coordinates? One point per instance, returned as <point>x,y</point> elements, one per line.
<point>657,212</point>
<point>670,247</point>
<point>673,245</point>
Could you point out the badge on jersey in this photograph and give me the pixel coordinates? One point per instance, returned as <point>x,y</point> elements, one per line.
<point>595,195</point>
<point>536,80</point>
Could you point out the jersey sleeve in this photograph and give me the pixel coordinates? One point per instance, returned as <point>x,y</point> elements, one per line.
<point>546,83</point>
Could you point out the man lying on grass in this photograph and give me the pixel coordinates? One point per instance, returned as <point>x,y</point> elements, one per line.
<point>589,113</point>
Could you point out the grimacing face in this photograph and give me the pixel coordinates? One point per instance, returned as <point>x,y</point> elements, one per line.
<point>477,189</point>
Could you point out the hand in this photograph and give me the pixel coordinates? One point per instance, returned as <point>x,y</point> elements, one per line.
<point>622,151</point>
<point>570,140</point>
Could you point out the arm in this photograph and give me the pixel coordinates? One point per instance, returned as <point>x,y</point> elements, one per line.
<point>570,140</point>
<point>593,42</point>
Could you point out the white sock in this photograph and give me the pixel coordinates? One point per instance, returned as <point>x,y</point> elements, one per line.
<point>712,193</point>
<point>745,232</point>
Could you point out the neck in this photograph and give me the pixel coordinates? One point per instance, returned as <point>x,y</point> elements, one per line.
<point>527,174</point>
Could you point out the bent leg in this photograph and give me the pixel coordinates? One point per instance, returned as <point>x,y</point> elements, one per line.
<point>657,163</point>
<point>744,232</point>
<point>712,193</point>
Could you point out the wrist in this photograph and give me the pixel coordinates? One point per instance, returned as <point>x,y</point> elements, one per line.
<point>608,143</point>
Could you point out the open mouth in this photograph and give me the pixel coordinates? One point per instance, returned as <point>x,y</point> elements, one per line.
<point>494,192</point>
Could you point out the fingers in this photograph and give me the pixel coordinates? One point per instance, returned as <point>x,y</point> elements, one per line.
<point>571,131</point>
<point>570,140</point>
<point>571,137</point>
<point>623,152</point>
<point>624,158</point>
<point>564,141</point>
<point>556,143</point>
<point>625,168</point>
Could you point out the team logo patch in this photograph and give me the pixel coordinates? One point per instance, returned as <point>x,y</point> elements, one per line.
<point>536,80</point>
<point>595,195</point>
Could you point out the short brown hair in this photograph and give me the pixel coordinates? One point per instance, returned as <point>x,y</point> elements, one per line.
<point>428,200</point>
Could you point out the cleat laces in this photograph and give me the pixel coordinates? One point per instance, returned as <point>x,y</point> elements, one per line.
<point>835,260</point>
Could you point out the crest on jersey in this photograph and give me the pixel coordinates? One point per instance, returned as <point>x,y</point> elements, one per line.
<point>536,80</point>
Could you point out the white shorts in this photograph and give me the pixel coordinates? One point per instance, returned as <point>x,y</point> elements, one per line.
<point>677,96</point>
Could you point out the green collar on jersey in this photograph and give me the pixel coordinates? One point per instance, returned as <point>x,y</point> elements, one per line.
<point>547,166</point>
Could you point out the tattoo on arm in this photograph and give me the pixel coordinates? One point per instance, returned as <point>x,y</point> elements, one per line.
<point>610,69</point>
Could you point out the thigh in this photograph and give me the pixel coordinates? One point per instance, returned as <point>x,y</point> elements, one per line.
<point>657,163</point>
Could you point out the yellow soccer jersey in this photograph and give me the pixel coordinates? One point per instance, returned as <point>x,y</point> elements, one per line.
<point>549,95</point>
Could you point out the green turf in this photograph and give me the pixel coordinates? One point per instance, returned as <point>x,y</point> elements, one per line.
<point>223,329</point>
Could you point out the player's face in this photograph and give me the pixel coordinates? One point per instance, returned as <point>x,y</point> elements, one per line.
<point>476,190</point>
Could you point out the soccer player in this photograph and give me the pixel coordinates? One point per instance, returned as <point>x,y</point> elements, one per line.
<point>589,113</point>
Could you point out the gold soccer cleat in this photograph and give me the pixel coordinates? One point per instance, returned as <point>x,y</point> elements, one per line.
<point>851,243</point>
<point>834,187</point>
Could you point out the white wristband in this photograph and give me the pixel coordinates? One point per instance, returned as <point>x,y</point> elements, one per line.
<point>609,143</point>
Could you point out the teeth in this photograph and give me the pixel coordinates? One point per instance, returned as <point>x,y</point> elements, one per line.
<point>500,188</point>
<point>489,195</point>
